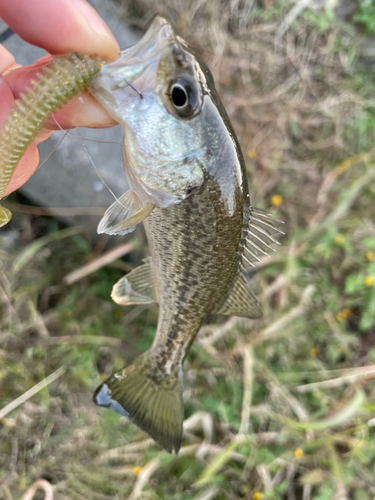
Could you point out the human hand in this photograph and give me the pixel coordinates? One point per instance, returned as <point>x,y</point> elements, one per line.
<point>58,26</point>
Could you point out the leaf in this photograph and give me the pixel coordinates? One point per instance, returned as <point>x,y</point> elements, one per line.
<point>351,284</point>
<point>367,319</point>
<point>339,418</point>
<point>221,458</point>
<point>315,476</point>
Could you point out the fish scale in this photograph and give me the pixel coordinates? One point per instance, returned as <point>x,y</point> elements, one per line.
<point>196,256</point>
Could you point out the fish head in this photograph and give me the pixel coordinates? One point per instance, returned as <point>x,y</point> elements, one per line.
<point>133,76</point>
<point>156,89</point>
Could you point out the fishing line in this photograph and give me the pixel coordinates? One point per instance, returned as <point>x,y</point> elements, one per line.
<point>97,140</point>
<point>82,138</point>
<point>84,146</point>
<point>83,103</point>
<point>66,132</point>
<point>96,169</point>
<point>90,157</point>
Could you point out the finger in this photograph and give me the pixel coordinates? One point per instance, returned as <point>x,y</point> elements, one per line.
<point>29,161</point>
<point>60,26</point>
<point>6,60</point>
<point>81,111</point>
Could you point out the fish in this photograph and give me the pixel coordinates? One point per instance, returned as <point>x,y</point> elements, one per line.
<point>58,81</point>
<point>188,185</point>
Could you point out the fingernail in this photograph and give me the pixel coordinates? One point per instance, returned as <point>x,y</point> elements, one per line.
<point>91,17</point>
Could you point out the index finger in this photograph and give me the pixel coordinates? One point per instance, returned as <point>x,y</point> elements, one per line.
<point>60,26</point>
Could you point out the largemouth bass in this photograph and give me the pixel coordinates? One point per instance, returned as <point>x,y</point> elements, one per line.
<point>188,184</point>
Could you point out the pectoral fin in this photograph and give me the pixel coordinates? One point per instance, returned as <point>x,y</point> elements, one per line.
<point>123,215</point>
<point>241,301</point>
<point>137,287</point>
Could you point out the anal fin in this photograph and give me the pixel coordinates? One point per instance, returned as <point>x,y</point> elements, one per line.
<point>123,215</point>
<point>240,301</point>
<point>137,287</point>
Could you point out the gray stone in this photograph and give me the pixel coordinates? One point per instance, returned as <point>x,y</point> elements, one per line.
<point>68,178</point>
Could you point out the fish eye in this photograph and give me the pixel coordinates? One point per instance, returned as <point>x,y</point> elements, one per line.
<point>180,97</point>
<point>184,96</point>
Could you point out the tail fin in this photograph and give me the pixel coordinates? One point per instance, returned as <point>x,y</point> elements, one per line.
<point>153,403</point>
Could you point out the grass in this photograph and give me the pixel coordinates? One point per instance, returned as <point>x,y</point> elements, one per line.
<point>279,408</point>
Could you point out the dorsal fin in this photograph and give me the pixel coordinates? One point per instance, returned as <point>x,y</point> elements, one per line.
<point>260,236</point>
<point>240,300</point>
<point>137,287</point>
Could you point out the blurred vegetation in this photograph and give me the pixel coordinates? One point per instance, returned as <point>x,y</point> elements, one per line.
<point>279,408</point>
<point>366,15</point>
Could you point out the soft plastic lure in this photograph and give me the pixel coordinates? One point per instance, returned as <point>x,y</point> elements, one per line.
<point>58,82</point>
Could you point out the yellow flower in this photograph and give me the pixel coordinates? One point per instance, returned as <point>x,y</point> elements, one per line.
<point>136,470</point>
<point>298,453</point>
<point>277,200</point>
<point>314,352</point>
<point>369,281</point>
<point>258,496</point>
<point>339,239</point>
<point>370,256</point>
<point>252,153</point>
<point>345,313</point>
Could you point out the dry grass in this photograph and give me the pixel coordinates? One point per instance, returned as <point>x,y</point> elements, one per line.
<point>281,407</point>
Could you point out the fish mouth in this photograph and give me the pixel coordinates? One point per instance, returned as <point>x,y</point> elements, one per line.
<point>135,70</point>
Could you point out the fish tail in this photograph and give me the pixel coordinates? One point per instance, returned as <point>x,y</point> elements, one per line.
<point>150,400</point>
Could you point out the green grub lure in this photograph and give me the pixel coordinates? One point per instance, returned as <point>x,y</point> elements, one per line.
<point>58,82</point>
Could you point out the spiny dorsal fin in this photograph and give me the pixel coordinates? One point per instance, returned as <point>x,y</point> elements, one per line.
<point>123,215</point>
<point>137,287</point>
<point>260,236</point>
<point>241,301</point>
<point>153,403</point>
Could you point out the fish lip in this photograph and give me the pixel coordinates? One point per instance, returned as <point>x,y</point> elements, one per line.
<point>133,60</point>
